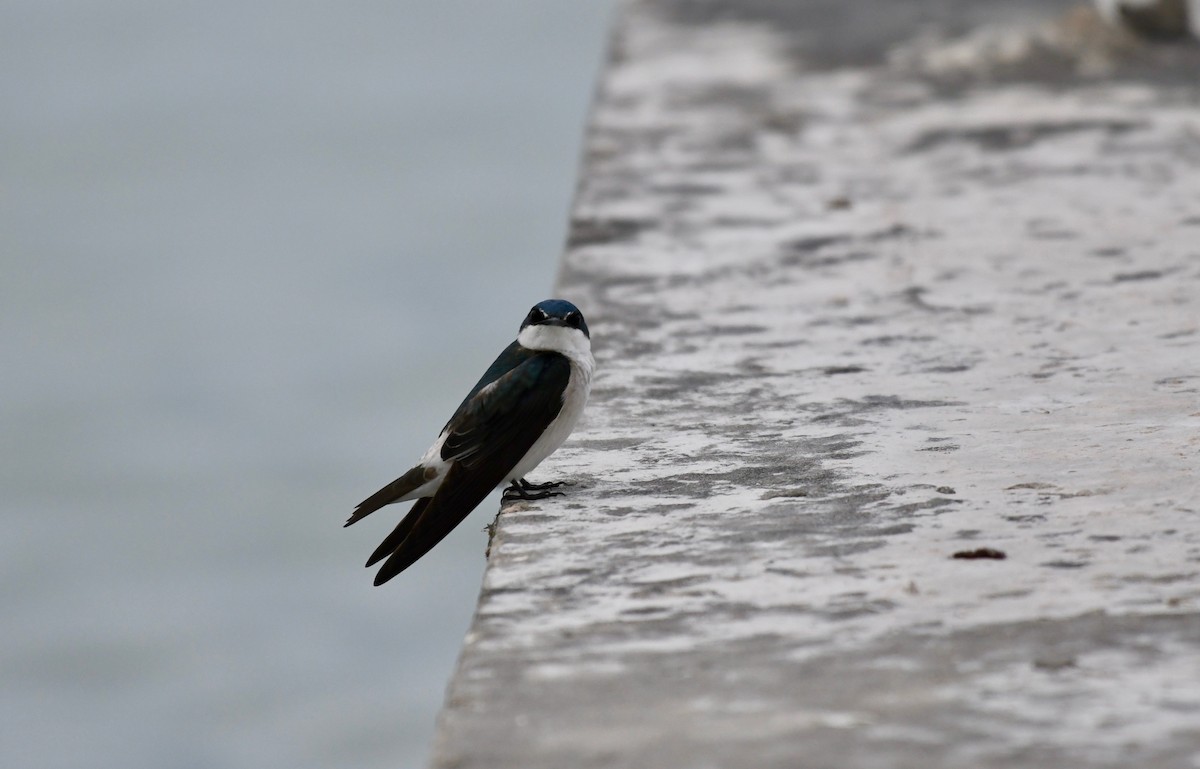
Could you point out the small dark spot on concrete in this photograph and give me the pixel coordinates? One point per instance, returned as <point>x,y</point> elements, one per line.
<point>1126,277</point>
<point>1065,564</point>
<point>1104,538</point>
<point>941,447</point>
<point>843,549</point>
<point>744,98</point>
<point>789,123</point>
<point>955,369</point>
<point>1050,234</point>
<point>839,442</point>
<point>1003,594</point>
<point>1178,334</point>
<point>945,490</point>
<point>1161,579</point>
<point>846,408</point>
<point>588,232</point>
<point>1030,485</point>
<point>1054,663</point>
<point>712,331</point>
<point>816,243</point>
<point>682,383</point>
<point>1108,253</point>
<point>851,322</point>
<point>894,338</point>
<point>838,204</point>
<point>915,296</point>
<point>1191,221</point>
<point>1034,518</point>
<point>930,504</point>
<point>1084,493</point>
<point>866,607</point>
<point>835,370</point>
<point>786,572</point>
<point>607,444</point>
<point>647,610</point>
<point>967,533</point>
<point>806,252</point>
<point>784,493</point>
<point>665,586</point>
<point>1007,137</point>
<point>984,553</point>
<point>739,222</point>
<point>1176,382</point>
<point>688,190</point>
<point>847,258</point>
<point>900,230</point>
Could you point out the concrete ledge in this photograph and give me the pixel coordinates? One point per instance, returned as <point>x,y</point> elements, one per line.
<point>865,298</point>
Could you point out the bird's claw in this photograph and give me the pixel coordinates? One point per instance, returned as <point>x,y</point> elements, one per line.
<point>527,486</point>
<point>523,490</point>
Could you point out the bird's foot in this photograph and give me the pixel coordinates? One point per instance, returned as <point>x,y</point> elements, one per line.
<point>522,490</point>
<point>540,486</point>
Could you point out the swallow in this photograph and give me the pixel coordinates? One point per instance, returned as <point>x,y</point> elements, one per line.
<point>517,414</point>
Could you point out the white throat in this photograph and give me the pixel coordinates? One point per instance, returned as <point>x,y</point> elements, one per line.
<point>571,342</point>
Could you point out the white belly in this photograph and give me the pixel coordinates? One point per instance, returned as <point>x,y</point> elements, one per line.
<point>574,399</point>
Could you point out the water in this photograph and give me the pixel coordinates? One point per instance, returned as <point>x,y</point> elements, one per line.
<point>251,256</point>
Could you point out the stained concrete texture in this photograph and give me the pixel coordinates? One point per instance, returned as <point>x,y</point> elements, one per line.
<point>892,455</point>
<point>1153,19</point>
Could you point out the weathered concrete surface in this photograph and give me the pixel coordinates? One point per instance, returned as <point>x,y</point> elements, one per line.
<point>867,289</point>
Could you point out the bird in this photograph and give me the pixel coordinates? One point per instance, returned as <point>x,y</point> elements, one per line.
<point>517,414</point>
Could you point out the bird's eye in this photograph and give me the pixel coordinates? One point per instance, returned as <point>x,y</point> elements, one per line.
<point>572,319</point>
<point>536,315</point>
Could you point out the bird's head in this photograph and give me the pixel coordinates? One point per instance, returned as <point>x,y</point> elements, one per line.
<point>554,324</point>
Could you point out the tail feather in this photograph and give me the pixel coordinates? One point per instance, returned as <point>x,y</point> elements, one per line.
<point>432,518</point>
<point>393,541</point>
<point>393,492</point>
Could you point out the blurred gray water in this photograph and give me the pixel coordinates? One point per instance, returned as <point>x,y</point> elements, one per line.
<point>251,257</point>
